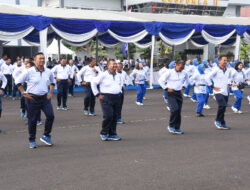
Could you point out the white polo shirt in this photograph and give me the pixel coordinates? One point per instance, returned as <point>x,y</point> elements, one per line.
<point>7,69</point>
<point>37,81</point>
<point>87,74</point>
<point>62,72</point>
<point>4,81</point>
<point>109,83</point>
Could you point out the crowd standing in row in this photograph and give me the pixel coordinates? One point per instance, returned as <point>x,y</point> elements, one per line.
<point>107,80</point>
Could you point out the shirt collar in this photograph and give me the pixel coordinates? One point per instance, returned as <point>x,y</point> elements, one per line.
<point>38,70</point>
<point>111,73</point>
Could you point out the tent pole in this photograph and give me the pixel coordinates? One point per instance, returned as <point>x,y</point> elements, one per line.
<point>96,48</point>
<point>43,42</point>
<point>151,62</point>
<point>59,47</point>
<point>237,48</point>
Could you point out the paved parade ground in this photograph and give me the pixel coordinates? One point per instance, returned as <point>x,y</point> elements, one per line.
<point>147,158</point>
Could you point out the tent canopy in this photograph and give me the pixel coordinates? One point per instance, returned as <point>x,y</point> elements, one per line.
<point>53,48</point>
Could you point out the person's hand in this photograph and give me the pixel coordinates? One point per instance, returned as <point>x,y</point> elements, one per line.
<point>49,96</point>
<point>84,83</point>
<point>228,87</point>
<point>94,70</point>
<point>69,80</point>
<point>100,97</point>
<point>28,96</point>
<point>1,91</point>
<point>234,85</point>
<point>58,80</point>
<point>136,80</point>
<point>197,85</point>
<point>216,89</point>
<point>170,90</point>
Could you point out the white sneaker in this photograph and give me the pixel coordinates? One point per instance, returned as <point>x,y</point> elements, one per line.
<point>168,108</point>
<point>141,104</point>
<point>214,98</point>
<point>234,109</point>
<point>240,112</point>
<point>248,98</point>
<point>193,100</point>
<point>206,107</point>
<point>185,95</point>
<point>144,98</point>
<point>58,107</point>
<point>138,103</point>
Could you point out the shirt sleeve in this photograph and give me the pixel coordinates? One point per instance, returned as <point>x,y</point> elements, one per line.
<point>4,81</point>
<point>163,80</point>
<point>22,78</point>
<point>209,77</point>
<point>186,80</point>
<point>80,74</point>
<point>52,78</point>
<point>95,82</point>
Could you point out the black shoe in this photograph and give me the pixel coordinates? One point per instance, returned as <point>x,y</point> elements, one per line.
<point>200,115</point>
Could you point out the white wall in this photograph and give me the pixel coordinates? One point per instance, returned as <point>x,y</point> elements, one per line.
<point>94,4</point>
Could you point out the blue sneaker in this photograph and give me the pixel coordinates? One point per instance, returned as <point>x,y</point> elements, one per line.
<point>22,114</point>
<point>26,121</point>
<point>38,123</point>
<point>114,138</point>
<point>33,144</point>
<point>218,125</point>
<point>120,121</point>
<point>171,129</point>
<point>46,140</point>
<point>104,137</point>
<point>225,127</point>
<point>86,112</point>
<point>178,131</point>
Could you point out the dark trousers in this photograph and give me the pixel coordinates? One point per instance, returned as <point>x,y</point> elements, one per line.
<point>62,88</point>
<point>9,85</point>
<point>89,99</point>
<point>71,86</point>
<point>34,108</point>
<point>175,104</point>
<point>222,105</point>
<point>110,104</point>
<point>23,106</point>
<point>15,90</point>
<point>119,113</point>
<point>0,105</point>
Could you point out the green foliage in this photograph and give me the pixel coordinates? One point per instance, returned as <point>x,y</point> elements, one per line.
<point>131,49</point>
<point>244,51</point>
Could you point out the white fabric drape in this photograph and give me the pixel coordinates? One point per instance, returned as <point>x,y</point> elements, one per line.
<point>246,38</point>
<point>76,37</point>
<point>237,48</point>
<point>129,39</point>
<point>175,42</point>
<point>37,44</point>
<point>152,61</point>
<point>196,44</point>
<point>9,36</point>
<point>108,45</point>
<point>78,44</point>
<point>43,41</point>
<point>143,46</point>
<point>216,40</point>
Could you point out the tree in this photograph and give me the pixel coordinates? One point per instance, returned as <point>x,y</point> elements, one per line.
<point>131,49</point>
<point>244,51</point>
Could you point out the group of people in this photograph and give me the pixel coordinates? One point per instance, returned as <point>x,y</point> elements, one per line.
<point>32,78</point>
<point>218,79</point>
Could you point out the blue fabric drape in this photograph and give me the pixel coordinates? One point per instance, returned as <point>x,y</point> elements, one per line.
<point>145,40</point>
<point>108,39</point>
<point>153,28</point>
<point>14,23</point>
<point>176,30</point>
<point>73,26</point>
<point>34,36</point>
<point>218,30</point>
<point>126,29</point>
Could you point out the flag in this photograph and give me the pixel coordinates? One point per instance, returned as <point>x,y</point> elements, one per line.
<point>124,48</point>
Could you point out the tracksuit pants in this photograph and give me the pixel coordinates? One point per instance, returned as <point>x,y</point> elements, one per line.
<point>62,88</point>
<point>71,86</point>
<point>187,90</point>
<point>89,99</point>
<point>140,88</point>
<point>238,101</point>
<point>175,104</point>
<point>222,105</point>
<point>201,98</point>
<point>119,113</point>
<point>110,105</point>
<point>34,108</point>
<point>9,85</point>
